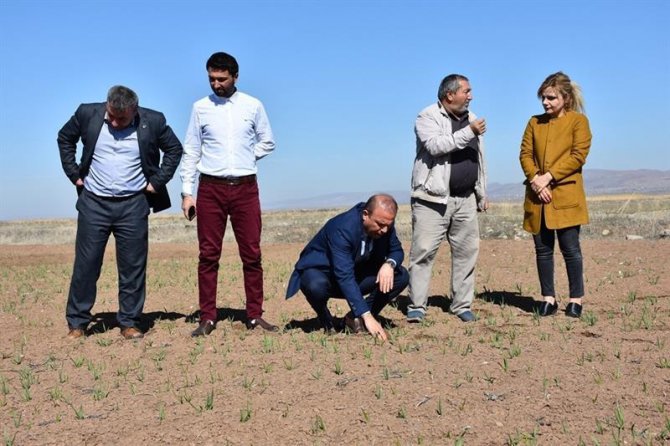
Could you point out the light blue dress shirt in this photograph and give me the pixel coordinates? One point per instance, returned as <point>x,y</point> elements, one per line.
<point>116,168</point>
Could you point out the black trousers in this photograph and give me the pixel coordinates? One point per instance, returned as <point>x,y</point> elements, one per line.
<point>319,286</point>
<point>127,219</point>
<point>568,241</point>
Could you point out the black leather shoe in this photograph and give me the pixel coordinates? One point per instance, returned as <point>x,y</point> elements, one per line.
<point>354,324</point>
<point>547,309</point>
<point>205,328</point>
<point>573,310</point>
<point>260,322</point>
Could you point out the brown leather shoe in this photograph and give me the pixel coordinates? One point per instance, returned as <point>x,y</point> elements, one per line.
<point>205,328</point>
<point>260,322</point>
<point>76,333</point>
<point>354,324</point>
<point>131,333</point>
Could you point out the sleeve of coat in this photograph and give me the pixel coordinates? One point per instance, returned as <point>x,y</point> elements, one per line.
<point>581,143</point>
<point>395,248</point>
<point>172,151</point>
<point>68,136</point>
<point>527,155</point>
<point>436,140</point>
<point>343,251</point>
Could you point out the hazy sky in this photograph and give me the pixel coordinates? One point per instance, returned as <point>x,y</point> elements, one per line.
<point>342,81</point>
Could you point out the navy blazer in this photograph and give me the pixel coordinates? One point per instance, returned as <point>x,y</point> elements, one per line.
<point>339,247</point>
<point>153,136</point>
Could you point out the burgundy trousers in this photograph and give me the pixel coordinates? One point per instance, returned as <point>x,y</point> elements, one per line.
<point>215,203</point>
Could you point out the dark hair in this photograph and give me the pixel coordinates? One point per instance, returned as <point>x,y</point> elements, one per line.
<point>450,84</point>
<point>223,62</point>
<point>121,98</point>
<point>385,201</point>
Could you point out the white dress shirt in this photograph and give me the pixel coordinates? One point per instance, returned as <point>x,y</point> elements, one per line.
<point>225,137</point>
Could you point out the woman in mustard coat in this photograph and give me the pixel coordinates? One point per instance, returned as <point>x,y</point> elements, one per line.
<point>553,151</point>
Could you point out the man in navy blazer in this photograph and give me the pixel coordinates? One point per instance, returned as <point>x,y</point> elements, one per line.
<point>354,254</point>
<point>119,178</point>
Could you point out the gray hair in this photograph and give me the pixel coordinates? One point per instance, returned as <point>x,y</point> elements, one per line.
<point>121,98</point>
<point>450,84</point>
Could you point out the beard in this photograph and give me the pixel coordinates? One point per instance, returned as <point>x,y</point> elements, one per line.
<point>224,92</point>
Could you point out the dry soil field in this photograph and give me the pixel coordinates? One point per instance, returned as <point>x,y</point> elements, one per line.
<point>509,378</point>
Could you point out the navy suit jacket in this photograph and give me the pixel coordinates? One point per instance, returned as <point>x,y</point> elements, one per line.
<point>153,136</point>
<point>339,247</point>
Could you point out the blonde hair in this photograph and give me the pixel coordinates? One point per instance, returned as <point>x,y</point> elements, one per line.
<point>571,92</point>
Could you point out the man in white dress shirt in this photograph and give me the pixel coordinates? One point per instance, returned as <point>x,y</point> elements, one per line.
<point>228,132</point>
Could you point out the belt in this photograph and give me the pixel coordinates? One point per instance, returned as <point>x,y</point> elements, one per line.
<point>229,181</point>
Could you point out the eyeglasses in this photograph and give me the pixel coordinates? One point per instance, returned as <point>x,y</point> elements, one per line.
<point>550,98</point>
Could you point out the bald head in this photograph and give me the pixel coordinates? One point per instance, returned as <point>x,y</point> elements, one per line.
<point>383,201</point>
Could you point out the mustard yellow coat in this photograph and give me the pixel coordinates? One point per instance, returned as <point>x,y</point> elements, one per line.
<point>560,146</point>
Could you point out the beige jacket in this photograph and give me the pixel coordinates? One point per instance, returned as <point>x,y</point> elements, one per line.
<point>435,143</point>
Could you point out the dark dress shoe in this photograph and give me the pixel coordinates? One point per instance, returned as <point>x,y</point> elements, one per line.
<point>131,333</point>
<point>547,309</point>
<point>573,310</point>
<point>205,328</point>
<point>354,324</point>
<point>260,322</point>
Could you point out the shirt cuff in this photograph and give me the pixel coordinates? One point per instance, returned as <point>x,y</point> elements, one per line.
<point>187,189</point>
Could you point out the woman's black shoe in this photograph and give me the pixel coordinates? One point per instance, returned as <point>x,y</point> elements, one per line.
<point>573,310</point>
<point>547,309</point>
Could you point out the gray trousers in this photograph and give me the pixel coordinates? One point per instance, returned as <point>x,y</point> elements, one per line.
<point>431,224</point>
<point>99,217</point>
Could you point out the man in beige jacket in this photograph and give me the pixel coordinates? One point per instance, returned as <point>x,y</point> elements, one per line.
<point>448,188</point>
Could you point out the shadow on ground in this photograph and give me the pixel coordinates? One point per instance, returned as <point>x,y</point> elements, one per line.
<point>439,301</point>
<point>500,298</point>
<point>313,324</point>
<point>222,314</point>
<point>103,322</point>
<point>514,299</point>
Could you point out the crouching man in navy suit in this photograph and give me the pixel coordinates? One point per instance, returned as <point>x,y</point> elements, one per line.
<point>356,253</point>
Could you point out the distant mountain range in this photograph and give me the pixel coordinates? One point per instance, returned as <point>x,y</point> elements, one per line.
<point>597,181</point>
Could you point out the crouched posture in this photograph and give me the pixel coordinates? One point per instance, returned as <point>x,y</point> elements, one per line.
<point>356,253</point>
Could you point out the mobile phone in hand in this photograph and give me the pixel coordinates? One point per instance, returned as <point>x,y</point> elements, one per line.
<point>191,213</point>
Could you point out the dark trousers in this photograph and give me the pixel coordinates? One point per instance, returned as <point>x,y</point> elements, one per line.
<point>568,241</point>
<point>127,219</point>
<point>216,202</point>
<point>319,286</point>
